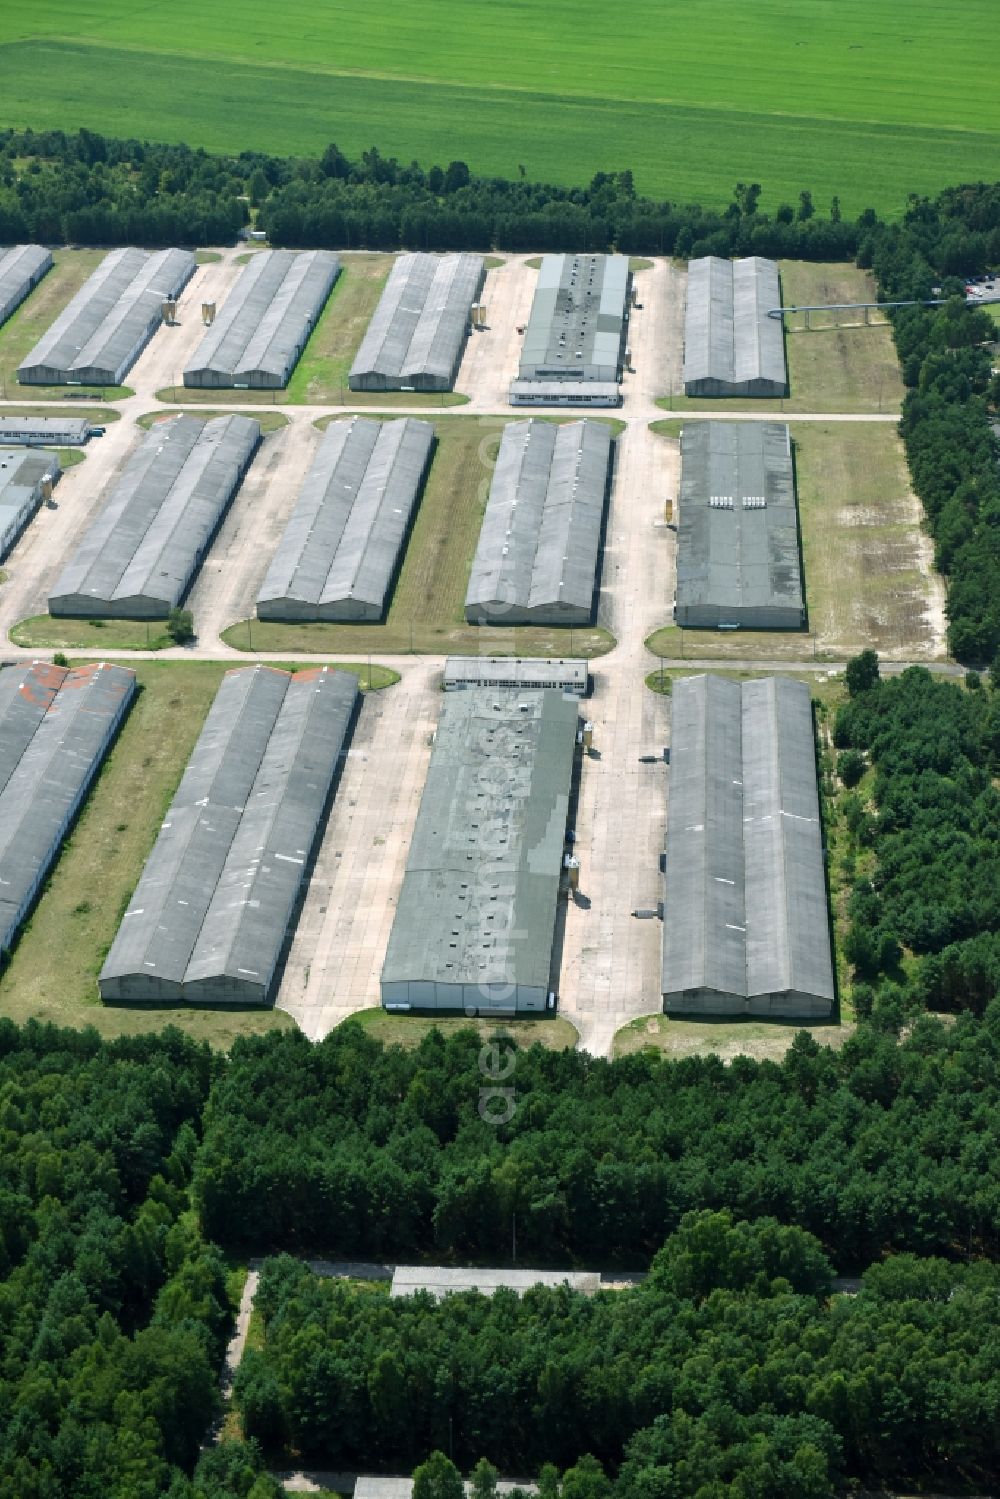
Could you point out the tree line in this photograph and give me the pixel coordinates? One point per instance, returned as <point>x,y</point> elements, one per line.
<point>354,1149</point>
<point>952,398</point>
<point>922,822</point>
<point>85,188</point>
<point>114,1310</point>
<point>731,1370</point>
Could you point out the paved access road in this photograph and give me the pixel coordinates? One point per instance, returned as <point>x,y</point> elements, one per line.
<point>609,968</point>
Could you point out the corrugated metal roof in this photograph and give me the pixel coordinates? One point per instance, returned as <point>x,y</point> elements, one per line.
<point>338,555</point>
<point>35,431</point>
<point>55,727</point>
<point>418,330</point>
<point>536,558</point>
<point>737,535</point>
<point>21,268</point>
<point>138,557</point>
<point>98,336</point>
<point>576,330</point>
<point>210,914</point>
<point>745,912</point>
<point>22,472</point>
<point>478,902</point>
<point>731,346</point>
<point>264,323</point>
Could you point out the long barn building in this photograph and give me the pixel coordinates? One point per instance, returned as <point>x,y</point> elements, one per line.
<point>56,726</point>
<point>745,918</point>
<point>731,346</point>
<point>417,334</point>
<point>21,269</point>
<point>26,478</point>
<point>142,552</point>
<point>341,548</point>
<point>577,330</point>
<point>258,336</point>
<point>100,334</point>
<point>737,533</point>
<point>537,556</point>
<point>210,915</point>
<point>475,921</point>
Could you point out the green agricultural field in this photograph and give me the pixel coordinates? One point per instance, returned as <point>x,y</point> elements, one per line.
<point>869,99</point>
<point>425,612</point>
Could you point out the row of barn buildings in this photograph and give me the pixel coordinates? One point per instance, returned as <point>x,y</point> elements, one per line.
<point>745,912</point>
<point>537,560</point>
<point>574,352</point>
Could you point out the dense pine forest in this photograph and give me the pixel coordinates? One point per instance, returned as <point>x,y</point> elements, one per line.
<point>733,1334</point>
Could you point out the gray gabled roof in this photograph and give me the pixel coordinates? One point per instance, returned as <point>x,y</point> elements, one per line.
<point>265,321</point>
<point>22,475</point>
<point>210,913</point>
<point>55,726</point>
<point>104,328</point>
<point>140,554</point>
<point>737,536</point>
<point>419,326</point>
<point>745,911</point>
<point>577,323</point>
<point>538,547</point>
<point>478,902</point>
<point>731,345</point>
<point>21,268</point>
<point>341,546</point>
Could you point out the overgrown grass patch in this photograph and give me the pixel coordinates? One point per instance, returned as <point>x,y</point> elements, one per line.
<point>52,973</point>
<point>34,317</point>
<point>426,610</point>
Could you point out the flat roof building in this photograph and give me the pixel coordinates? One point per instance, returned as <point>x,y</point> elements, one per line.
<point>737,530</point>
<point>210,915</point>
<point>579,320</point>
<point>55,728</point>
<point>264,324</point>
<point>731,346</point>
<point>382,1487</point>
<point>26,479</point>
<point>475,921</point>
<point>140,555</point>
<point>100,334</point>
<point>745,917</point>
<point>41,431</point>
<point>565,393</point>
<point>440,1281</point>
<point>537,556</point>
<point>21,269</point>
<point>417,334</point>
<point>341,548</point>
<point>515,672</point>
